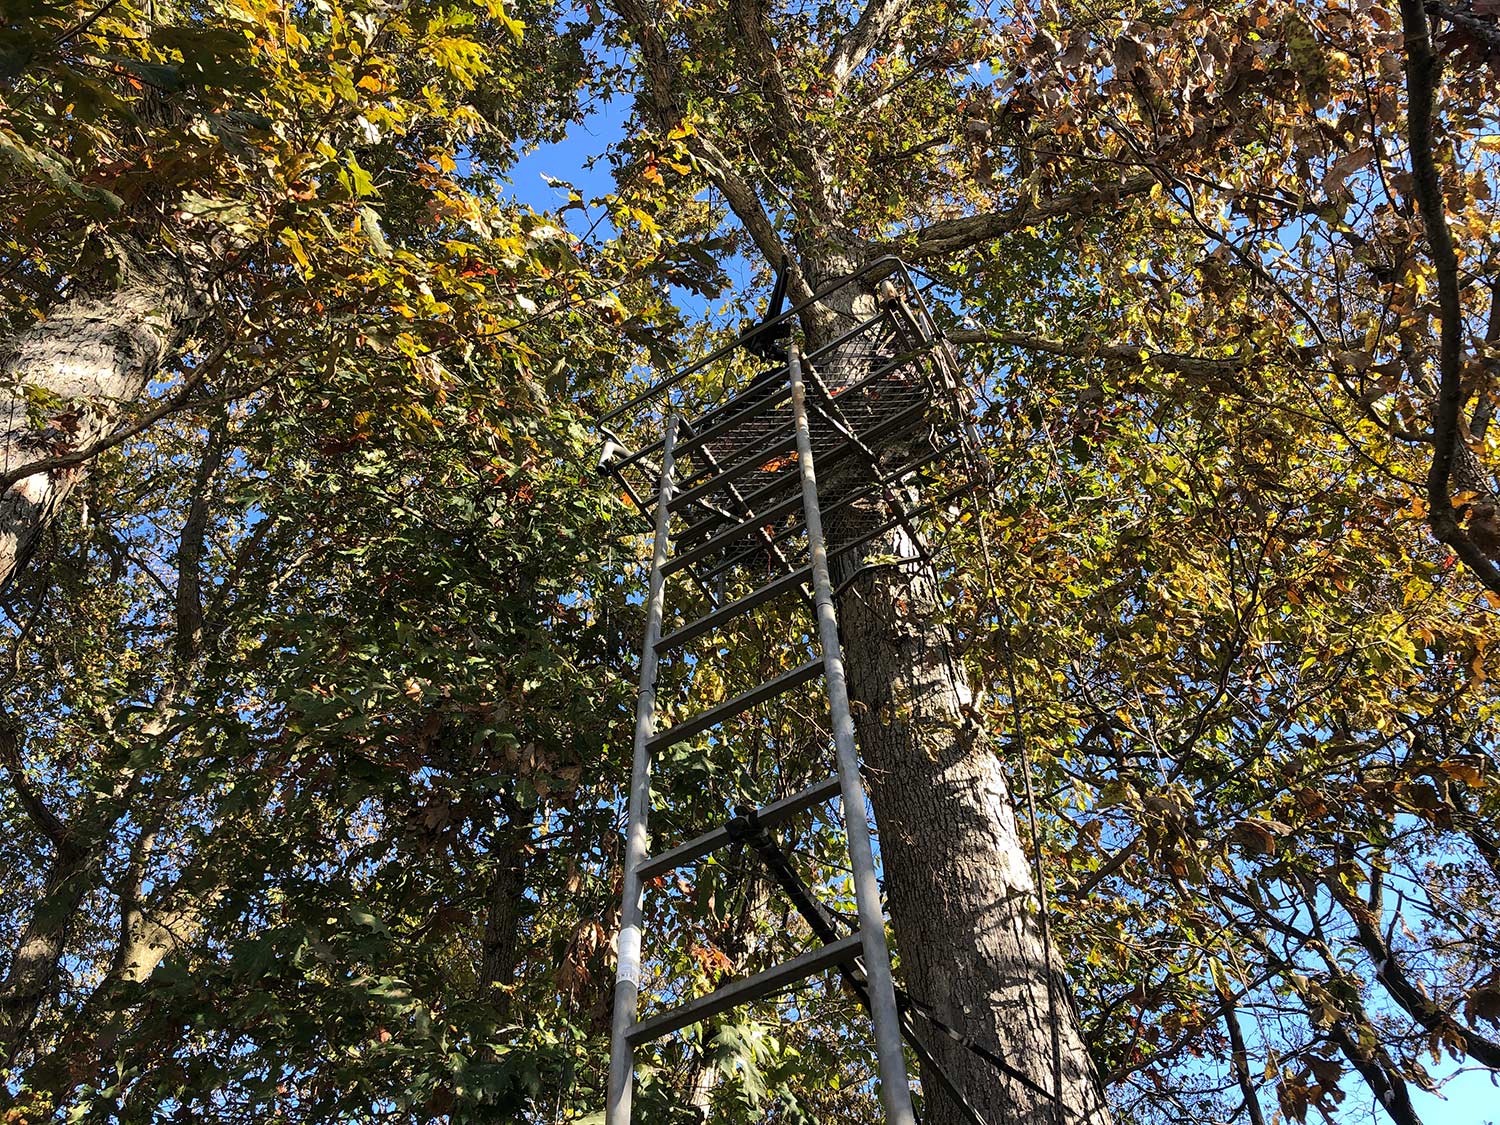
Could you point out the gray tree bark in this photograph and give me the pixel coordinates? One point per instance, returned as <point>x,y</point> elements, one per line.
<point>39,949</point>
<point>504,912</point>
<point>65,381</point>
<point>958,880</point>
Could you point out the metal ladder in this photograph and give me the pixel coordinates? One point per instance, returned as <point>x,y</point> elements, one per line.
<point>862,955</point>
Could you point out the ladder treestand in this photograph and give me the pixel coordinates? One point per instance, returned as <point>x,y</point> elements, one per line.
<point>733,492</point>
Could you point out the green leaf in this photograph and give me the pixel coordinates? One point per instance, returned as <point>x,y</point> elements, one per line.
<point>44,164</point>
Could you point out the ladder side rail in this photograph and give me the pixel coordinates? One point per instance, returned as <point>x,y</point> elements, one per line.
<point>638,808</point>
<point>895,1090</point>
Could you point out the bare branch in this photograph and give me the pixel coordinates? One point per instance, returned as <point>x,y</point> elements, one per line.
<point>1390,973</point>
<point>1240,1057</point>
<point>46,821</point>
<point>190,549</point>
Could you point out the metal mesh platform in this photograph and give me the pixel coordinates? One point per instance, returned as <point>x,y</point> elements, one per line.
<point>885,407</point>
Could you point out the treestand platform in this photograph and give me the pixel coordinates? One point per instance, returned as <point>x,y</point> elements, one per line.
<point>886,410</point>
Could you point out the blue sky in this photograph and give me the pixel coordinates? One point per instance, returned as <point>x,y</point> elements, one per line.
<point>568,160</point>
<point>1470,1098</point>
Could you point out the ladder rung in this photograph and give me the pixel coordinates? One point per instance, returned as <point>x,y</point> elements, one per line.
<point>731,707</point>
<point>708,621</point>
<point>743,991</point>
<point>779,812</point>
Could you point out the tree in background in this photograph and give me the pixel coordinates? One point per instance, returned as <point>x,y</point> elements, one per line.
<point>309,595</point>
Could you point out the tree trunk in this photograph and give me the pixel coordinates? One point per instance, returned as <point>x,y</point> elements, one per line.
<point>506,908</point>
<point>65,380</point>
<point>150,932</point>
<point>40,947</point>
<point>960,889</point>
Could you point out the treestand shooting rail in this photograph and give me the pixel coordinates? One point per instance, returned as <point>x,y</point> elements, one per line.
<point>731,490</point>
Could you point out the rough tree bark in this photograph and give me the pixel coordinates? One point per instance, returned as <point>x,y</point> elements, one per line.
<point>65,380</point>
<point>39,948</point>
<point>505,909</point>
<point>960,889</point>
<point>958,880</point>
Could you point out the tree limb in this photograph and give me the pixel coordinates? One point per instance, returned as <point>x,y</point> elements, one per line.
<point>788,118</point>
<point>46,821</point>
<point>1423,73</point>
<point>661,81</point>
<point>950,236</point>
<point>1363,1052</point>
<point>190,550</point>
<point>1240,1056</point>
<point>1389,972</point>
<point>169,405</point>
<point>1193,366</point>
<point>879,19</point>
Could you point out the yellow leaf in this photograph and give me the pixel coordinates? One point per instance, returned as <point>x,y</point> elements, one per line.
<point>293,242</point>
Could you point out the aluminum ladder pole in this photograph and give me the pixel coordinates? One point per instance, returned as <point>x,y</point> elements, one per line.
<point>895,1090</point>
<point>638,809</point>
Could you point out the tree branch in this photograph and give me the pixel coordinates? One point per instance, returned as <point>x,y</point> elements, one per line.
<point>788,118</point>
<point>1193,366</point>
<point>1389,972</point>
<point>661,75</point>
<point>1423,73</point>
<point>1240,1056</point>
<point>1361,1049</point>
<point>169,405</point>
<point>190,550</point>
<point>46,821</point>
<point>878,20</point>
<point>949,236</point>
